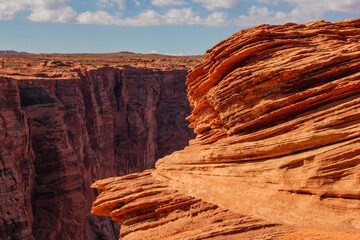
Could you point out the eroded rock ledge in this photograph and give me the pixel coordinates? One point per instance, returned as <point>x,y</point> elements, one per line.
<point>276,110</point>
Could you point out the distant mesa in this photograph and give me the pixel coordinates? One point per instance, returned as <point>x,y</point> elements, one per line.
<point>126,52</point>
<point>12,52</point>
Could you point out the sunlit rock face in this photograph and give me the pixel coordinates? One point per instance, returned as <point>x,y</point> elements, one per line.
<point>64,126</point>
<point>276,110</point>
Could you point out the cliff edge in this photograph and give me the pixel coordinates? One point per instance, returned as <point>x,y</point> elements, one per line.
<point>276,110</point>
<point>67,120</point>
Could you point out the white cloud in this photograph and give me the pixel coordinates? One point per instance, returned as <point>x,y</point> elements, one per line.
<point>262,15</point>
<point>148,17</point>
<point>217,19</point>
<point>48,4</point>
<point>212,5</point>
<point>172,16</point>
<point>9,8</point>
<point>98,17</point>
<point>110,4</point>
<point>61,11</point>
<point>121,4</point>
<point>41,10</point>
<point>346,6</point>
<point>63,14</point>
<point>269,1</point>
<point>165,3</point>
<point>303,11</point>
<point>51,11</point>
<point>104,4</point>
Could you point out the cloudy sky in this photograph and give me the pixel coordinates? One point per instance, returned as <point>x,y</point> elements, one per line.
<point>162,26</point>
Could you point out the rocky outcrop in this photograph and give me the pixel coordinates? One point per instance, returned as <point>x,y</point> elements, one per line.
<point>65,127</point>
<point>276,110</point>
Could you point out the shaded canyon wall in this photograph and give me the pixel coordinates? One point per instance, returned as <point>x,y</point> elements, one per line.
<point>61,135</point>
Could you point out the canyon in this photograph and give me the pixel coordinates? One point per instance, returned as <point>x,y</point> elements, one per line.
<point>276,112</point>
<point>67,120</point>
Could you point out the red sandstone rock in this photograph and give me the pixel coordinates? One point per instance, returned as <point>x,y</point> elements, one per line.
<point>16,165</point>
<point>276,110</point>
<point>62,128</point>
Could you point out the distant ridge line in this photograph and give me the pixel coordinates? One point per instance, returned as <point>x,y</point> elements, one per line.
<point>12,52</point>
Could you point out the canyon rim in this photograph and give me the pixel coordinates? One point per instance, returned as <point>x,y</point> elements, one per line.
<point>67,120</point>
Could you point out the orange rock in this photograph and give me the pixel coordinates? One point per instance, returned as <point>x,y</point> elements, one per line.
<point>276,110</point>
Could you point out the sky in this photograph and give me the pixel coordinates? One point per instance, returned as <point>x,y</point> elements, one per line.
<point>174,27</point>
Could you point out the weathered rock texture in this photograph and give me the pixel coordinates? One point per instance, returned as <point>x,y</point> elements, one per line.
<point>276,110</point>
<point>62,127</point>
<point>16,165</point>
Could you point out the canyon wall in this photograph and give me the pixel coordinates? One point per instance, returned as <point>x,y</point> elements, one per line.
<point>16,165</point>
<point>60,133</point>
<point>276,110</point>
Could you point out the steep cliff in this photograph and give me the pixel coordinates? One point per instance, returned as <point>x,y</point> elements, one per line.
<point>16,165</point>
<point>276,110</point>
<point>65,126</point>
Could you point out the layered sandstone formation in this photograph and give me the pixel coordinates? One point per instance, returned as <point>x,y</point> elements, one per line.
<point>69,120</point>
<point>276,110</point>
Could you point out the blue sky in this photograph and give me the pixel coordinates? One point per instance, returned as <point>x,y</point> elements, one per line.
<point>178,27</point>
